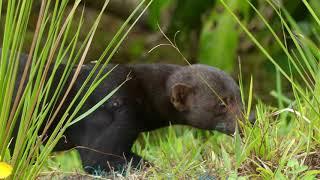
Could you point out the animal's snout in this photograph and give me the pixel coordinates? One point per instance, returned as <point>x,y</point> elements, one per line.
<point>226,127</point>
<point>252,117</point>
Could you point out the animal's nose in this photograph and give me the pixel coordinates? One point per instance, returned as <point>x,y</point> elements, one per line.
<point>226,128</point>
<point>252,117</point>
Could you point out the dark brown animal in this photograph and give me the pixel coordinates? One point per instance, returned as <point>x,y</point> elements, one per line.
<point>156,96</point>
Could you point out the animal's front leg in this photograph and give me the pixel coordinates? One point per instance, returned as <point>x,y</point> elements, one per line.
<point>109,149</point>
<point>94,162</point>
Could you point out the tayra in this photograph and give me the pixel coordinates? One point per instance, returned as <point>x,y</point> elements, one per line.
<point>156,96</point>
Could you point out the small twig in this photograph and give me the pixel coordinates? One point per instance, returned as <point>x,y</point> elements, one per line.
<point>292,111</point>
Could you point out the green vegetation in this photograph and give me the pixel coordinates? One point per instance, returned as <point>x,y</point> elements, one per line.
<point>31,109</point>
<point>283,143</point>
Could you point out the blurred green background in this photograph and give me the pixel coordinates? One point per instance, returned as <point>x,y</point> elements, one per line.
<point>204,32</point>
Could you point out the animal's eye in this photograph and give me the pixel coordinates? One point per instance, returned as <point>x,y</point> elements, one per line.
<point>223,104</point>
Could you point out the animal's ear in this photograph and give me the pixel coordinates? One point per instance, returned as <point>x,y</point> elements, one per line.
<point>179,95</point>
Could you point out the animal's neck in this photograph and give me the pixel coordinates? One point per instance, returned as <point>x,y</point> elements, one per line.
<point>154,79</point>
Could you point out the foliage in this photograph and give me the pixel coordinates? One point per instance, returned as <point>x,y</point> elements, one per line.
<point>219,40</point>
<point>207,34</point>
<point>30,109</point>
<point>283,143</point>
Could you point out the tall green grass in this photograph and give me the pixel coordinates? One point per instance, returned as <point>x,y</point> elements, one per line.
<point>33,106</point>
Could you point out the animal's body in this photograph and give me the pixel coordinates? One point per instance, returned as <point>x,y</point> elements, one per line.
<point>156,96</point>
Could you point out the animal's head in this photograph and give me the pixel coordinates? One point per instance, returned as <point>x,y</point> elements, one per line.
<point>206,98</point>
